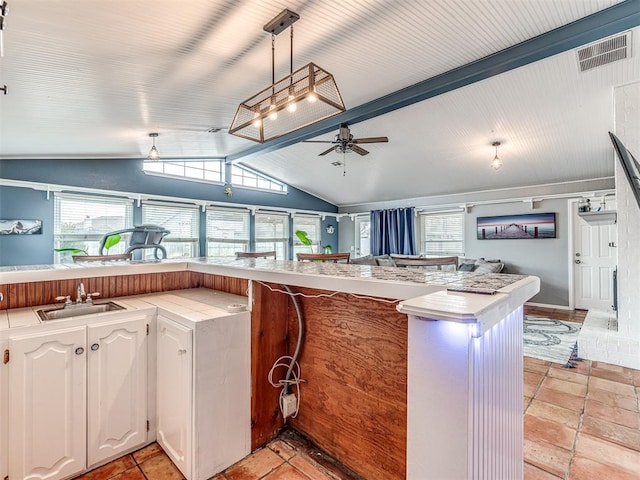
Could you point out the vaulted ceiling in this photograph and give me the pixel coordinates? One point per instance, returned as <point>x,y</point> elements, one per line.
<point>91,79</point>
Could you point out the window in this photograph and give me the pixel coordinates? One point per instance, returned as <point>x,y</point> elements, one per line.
<point>181,221</point>
<point>442,234</point>
<point>80,221</point>
<point>201,171</point>
<point>245,177</point>
<point>310,225</point>
<point>227,232</point>
<point>272,233</point>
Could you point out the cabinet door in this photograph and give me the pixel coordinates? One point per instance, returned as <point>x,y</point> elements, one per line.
<point>47,401</point>
<point>175,359</point>
<point>117,387</point>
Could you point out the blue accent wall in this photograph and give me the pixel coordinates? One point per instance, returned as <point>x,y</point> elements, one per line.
<point>118,175</point>
<point>25,203</point>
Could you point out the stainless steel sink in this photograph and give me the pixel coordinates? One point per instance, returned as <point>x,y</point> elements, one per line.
<point>57,313</point>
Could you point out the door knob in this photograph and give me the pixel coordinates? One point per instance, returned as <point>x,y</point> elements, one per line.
<point>577,254</point>
<point>578,261</point>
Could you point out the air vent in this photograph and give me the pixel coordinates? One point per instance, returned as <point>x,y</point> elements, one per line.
<point>605,51</point>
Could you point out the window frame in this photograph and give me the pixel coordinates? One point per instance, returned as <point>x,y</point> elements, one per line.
<point>283,190</point>
<point>274,242</point>
<point>59,238</point>
<point>171,239</point>
<point>187,164</point>
<point>298,246</point>
<point>244,243</point>
<point>460,214</point>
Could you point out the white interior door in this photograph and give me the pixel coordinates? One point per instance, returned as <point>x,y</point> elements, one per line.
<point>363,236</point>
<point>594,260</point>
<point>117,388</point>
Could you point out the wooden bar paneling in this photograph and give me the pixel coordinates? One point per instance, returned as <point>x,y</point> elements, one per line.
<point>354,400</point>
<point>269,324</point>
<point>31,294</point>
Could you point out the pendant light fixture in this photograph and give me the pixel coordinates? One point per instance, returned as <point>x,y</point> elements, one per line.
<point>496,163</point>
<point>302,98</point>
<point>153,153</point>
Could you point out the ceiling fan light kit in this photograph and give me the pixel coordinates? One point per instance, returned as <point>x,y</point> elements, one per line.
<point>304,97</point>
<point>344,142</point>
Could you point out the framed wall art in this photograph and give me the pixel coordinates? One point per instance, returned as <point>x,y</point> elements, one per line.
<point>20,227</point>
<point>521,227</point>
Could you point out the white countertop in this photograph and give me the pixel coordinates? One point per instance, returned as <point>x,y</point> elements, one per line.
<point>195,304</point>
<point>445,295</point>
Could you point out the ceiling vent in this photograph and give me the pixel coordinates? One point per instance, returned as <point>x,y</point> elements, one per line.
<point>605,51</point>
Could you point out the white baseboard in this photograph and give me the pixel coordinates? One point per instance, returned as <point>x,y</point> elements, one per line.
<point>546,305</point>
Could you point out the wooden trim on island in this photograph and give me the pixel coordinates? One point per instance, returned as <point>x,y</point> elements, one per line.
<point>32,294</point>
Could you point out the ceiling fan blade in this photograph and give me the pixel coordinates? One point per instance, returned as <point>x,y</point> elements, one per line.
<point>329,150</point>
<point>318,141</point>
<point>359,150</point>
<point>371,140</point>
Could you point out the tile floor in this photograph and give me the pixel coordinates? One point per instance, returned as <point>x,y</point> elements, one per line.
<point>579,424</point>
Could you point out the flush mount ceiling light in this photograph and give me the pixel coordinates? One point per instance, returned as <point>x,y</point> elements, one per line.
<point>153,153</point>
<point>302,98</point>
<point>496,163</point>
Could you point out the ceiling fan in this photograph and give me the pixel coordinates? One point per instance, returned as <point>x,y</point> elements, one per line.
<point>344,142</point>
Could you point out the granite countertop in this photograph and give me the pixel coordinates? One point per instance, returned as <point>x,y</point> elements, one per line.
<point>470,282</point>
<point>452,280</point>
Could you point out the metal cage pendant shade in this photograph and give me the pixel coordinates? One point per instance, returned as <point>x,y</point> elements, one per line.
<point>303,97</point>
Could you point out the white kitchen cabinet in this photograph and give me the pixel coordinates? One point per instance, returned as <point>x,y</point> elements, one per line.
<point>77,396</point>
<point>204,391</point>
<point>47,404</point>
<point>116,388</point>
<point>174,390</point>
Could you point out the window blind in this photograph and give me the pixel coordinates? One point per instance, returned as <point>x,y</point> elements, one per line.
<point>227,232</point>
<point>181,221</point>
<point>80,221</point>
<point>442,234</point>
<point>272,233</point>
<point>311,225</point>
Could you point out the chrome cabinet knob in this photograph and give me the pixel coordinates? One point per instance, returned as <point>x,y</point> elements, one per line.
<point>578,261</point>
<point>79,351</point>
<point>95,347</point>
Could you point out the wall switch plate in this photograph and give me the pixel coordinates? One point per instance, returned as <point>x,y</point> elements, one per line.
<point>289,405</point>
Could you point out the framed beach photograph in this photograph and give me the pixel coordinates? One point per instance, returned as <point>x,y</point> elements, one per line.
<point>521,227</point>
<point>20,227</point>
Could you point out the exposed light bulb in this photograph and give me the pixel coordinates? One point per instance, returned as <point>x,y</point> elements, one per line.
<point>312,97</point>
<point>153,153</point>
<point>292,104</point>
<point>273,113</point>
<point>257,122</point>
<point>496,163</point>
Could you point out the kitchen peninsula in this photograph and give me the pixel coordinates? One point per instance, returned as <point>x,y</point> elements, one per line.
<point>405,370</point>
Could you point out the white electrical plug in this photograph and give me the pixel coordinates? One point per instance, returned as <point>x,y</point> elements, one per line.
<point>288,405</point>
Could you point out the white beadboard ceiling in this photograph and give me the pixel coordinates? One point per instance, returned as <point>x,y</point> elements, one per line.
<point>91,79</point>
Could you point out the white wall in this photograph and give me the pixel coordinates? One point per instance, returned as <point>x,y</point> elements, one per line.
<point>627,118</point>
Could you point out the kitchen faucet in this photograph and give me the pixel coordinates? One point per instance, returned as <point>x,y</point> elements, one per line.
<point>81,293</point>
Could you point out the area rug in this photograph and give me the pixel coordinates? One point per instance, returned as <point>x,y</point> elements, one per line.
<point>551,340</point>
